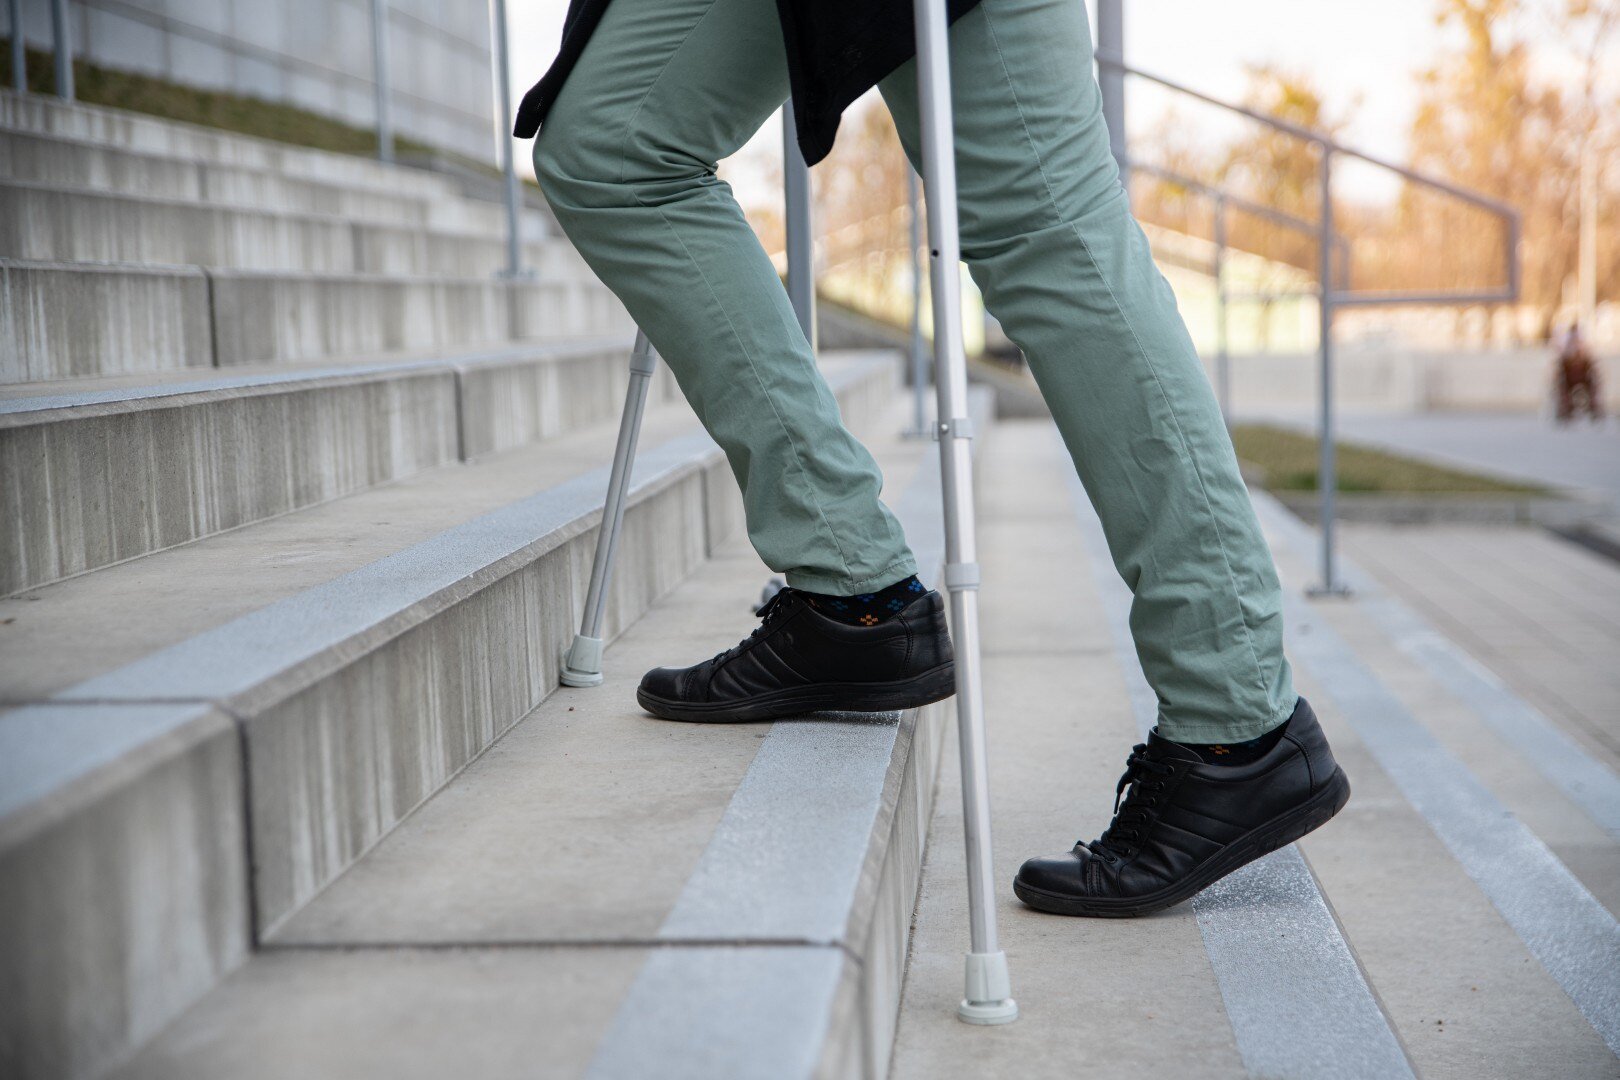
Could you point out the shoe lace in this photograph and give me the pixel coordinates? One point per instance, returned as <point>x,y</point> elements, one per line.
<point>1144,777</point>
<point>768,612</point>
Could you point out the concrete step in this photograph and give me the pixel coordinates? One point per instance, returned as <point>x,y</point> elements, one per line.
<point>760,933</point>
<point>98,475</point>
<point>79,163</point>
<point>66,321</point>
<point>1457,920</point>
<point>82,320</point>
<point>139,132</point>
<point>256,711</point>
<point>57,224</point>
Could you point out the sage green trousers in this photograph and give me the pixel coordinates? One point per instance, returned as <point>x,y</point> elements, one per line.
<point>627,159</point>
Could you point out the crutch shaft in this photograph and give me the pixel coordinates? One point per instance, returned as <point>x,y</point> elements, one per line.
<point>987,998</point>
<point>583,664</point>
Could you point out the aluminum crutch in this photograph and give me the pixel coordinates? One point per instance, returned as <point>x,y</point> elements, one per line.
<point>988,997</point>
<point>582,666</point>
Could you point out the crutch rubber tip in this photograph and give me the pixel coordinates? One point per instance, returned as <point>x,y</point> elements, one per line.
<point>582,666</point>
<point>989,991</point>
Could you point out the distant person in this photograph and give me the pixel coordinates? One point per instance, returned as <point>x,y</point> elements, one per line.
<point>645,98</point>
<point>1576,378</point>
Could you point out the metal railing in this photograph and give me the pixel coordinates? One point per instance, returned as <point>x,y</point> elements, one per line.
<point>1332,281</point>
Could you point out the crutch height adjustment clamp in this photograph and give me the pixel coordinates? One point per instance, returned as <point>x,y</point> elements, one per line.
<point>957,427</point>
<point>962,575</point>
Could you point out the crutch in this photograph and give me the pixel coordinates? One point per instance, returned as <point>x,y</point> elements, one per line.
<point>582,666</point>
<point>988,997</point>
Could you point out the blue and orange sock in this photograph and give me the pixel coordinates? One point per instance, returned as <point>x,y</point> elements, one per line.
<point>869,609</point>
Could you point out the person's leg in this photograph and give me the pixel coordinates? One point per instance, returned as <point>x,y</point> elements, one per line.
<point>1050,240</point>
<point>1048,235</point>
<point>627,158</point>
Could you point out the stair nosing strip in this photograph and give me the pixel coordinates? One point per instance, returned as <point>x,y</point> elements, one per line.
<point>296,379</point>
<point>232,660</point>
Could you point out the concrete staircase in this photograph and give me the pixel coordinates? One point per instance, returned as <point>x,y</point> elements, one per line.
<point>287,786</point>
<point>299,502</point>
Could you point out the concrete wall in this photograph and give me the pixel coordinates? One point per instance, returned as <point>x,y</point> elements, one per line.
<point>315,54</point>
<point>1393,380</point>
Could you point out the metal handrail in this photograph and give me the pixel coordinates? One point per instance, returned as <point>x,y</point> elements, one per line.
<point>1330,279</point>
<point>1310,135</point>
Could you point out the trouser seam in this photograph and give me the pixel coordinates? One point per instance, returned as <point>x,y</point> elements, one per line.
<point>1203,492</point>
<point>630,121</point>
<point>1181,437</point>
<point>753,368</point>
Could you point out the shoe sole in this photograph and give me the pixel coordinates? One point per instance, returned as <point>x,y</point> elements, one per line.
<point>1279,832</point>
<point>934,685</point>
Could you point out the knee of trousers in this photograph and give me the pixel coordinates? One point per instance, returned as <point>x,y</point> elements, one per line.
<point>573,180</point>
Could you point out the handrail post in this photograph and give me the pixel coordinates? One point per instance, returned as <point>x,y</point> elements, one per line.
<point>1111,81</point>
<point>19,49</point>
<point>503,93</point>
<point>1327,474</point>
<point>379,77</point>
<point>919,347</point>
<point>62,32</point>
<point>1223,361</point>
<point>798,219</point>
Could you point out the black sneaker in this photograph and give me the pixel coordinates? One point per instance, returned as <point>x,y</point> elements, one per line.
<point>1185,824</point>
<point>797,661</point>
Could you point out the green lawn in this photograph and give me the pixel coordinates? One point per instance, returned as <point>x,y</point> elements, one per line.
<point>229,112</point>
<point>1286,461</point>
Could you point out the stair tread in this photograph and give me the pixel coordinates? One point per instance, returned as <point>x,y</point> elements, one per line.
<point>20,399</point>
<point>165,597</point>
<point>146,604</point>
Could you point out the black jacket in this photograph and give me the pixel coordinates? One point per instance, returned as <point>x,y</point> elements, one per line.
<point>836,51</point>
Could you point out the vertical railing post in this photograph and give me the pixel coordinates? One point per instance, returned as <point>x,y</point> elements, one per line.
<point>800,226</point>
<point>19,48</point>
<point>1223,359</point>
<point>62,33</point>
<point>379,78</point>
<point>1111,80</point>
<point>919,347</point>
<point>503,94</point>
<point>988,997</point>
<point>1327,475</point>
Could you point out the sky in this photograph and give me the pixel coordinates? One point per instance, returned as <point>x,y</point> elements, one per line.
<point>1364,57</point>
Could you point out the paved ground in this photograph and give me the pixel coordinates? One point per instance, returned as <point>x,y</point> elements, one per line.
<point>1539,612</point>
<point>1467,976</point>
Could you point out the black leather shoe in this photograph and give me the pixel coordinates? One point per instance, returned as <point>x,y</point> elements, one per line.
<point>1185,824</point>
<point>797,661</point>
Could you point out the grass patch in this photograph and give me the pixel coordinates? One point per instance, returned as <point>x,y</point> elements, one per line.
<point>1286,461</point>
<point>95,85</point>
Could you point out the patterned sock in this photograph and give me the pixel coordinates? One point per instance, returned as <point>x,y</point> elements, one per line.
<point>869,609</point>
<point>1237,753</point>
